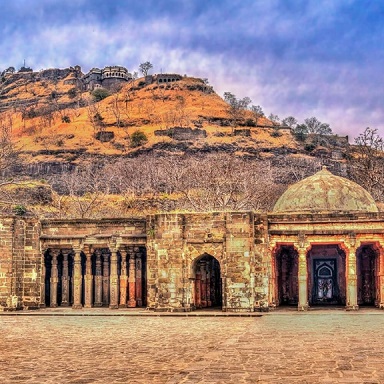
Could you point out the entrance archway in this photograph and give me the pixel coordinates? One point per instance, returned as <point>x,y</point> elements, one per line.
<point>326,266</point>
<point>367,275</point>
<point>287,276</point>
<point>207,282</point>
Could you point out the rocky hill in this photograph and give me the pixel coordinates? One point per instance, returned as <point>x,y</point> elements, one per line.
<point>142,143</point>
<point>55,121</point>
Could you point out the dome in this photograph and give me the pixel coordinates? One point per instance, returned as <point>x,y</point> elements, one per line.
<point>325,192</point>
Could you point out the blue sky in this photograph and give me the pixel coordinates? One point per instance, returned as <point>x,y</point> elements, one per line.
<point>293,57</point>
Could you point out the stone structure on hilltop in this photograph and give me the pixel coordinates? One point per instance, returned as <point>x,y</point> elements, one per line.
<point>321,245</point>
<point>106,78</point>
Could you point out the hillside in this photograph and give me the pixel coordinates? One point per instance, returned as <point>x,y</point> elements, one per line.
<point>54,121</point>
<point>110,151</point>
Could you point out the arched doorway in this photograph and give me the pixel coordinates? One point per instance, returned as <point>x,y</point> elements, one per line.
<point>287,292</point>
<point>207,282</point>
<point>367,275</point>
<point>326,265</point>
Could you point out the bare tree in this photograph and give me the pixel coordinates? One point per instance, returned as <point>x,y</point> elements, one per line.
<point>366,165</point>
<point>290,122</point>
<point>82,192</point>
<point>145,67</point>
<point>257,113</point>
<point>236,107</point>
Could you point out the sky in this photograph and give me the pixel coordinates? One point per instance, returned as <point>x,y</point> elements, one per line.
<point>292,57</point>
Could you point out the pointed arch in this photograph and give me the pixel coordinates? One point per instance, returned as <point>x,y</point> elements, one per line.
<point>207,288</point>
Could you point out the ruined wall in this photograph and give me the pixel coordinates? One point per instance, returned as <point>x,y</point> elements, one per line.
<point>235,243</point>
<point>179,241</point>
<point>6,248</point>
<point>20,263</point>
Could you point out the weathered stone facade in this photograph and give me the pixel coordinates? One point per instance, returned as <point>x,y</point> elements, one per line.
<point>239,261</point>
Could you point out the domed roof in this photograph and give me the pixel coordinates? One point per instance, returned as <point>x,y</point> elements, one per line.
<point>325,192</point>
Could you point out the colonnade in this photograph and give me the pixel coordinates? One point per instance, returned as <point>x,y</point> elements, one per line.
<point>360,277</point>
<point>98,277</point>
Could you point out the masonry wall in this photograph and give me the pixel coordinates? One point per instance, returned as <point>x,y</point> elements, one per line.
<point>178,241</point>
<point>20,263</point>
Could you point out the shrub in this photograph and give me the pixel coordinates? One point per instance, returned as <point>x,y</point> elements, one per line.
<point>66,119</point>
<point>19,210</point>
<point>138,138</point>
<point>310,147</point>
<point>100,94</point>
<point>250,123</point>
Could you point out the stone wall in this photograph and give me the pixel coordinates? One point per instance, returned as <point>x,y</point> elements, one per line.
<point>20,263</point>
<point>177,243</point>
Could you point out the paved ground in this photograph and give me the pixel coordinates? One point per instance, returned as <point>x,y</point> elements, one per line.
<point>279,347</point>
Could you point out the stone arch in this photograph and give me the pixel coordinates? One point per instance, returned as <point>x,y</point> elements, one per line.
<point>286,275</point>
<point>326,266</point>
<point>368,280</point>
<point>207,290</point>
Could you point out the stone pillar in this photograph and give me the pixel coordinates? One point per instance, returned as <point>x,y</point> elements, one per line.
<point>88,299</point>
<point>54,278</point>
<point>139,281</point>
<point>98,280</point>
<point>303,280</point>
<point>351,280</point>
<point>105,279</point>
<point>42,281</point>
<point>65,281</point>
<point>380,278</point>
<point>131,281</point>
<point>123,280</point>
<point>77,280</point>
<point>113,279</point>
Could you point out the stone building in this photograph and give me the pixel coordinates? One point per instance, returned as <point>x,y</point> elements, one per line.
<point>106,78</point>
<point>321,245</point>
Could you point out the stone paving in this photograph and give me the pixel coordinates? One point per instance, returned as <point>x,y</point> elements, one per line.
<point>279,347</point>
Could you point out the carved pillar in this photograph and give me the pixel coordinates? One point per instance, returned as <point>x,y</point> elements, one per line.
<point>113,279</point>
<point>303,280</point>
<point>77,280</point>
<point>139,281</point>
<point>131,281</point>
<point>351,280</point>
<point>42,281</point>
<point>105,279</point>
<point>98,280</point>
<point>123,280</point>
<point>88,299</point>
<point>65,281</point>
<point>54,278</point>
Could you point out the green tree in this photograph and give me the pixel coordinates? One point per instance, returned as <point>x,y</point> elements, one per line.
<point>300,132</point>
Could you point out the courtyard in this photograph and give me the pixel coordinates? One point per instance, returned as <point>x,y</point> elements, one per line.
<point>320,346</point>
